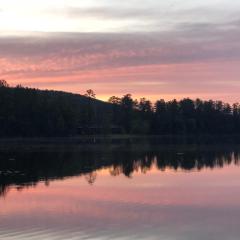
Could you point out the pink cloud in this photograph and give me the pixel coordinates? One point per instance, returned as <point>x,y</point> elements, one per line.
<point>155,66</point>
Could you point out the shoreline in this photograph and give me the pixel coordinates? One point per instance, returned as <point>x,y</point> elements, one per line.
<point>115,138</point>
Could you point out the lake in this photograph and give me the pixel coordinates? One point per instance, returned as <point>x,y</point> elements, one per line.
<point>120,191</point>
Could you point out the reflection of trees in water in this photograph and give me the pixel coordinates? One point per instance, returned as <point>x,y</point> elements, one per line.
<point>4,190</point>
<point>91,177</point>
<point>26,169</point>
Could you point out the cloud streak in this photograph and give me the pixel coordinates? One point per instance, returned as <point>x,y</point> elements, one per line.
<point>82,51</point>
<point>110,13</point>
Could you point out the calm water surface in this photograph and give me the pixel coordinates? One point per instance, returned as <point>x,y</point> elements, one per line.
<point>120,192</point>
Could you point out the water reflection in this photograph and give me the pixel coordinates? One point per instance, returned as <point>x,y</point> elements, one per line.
<point>160,192</point>
<point>27,166</point>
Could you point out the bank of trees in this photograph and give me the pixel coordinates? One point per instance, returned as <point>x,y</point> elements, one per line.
<point>178,117</point>
<point>33,112</point>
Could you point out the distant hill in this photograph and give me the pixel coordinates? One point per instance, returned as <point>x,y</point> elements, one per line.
<point>32,112</point>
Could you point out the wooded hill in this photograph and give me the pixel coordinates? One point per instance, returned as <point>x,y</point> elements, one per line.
<point>26,112</point>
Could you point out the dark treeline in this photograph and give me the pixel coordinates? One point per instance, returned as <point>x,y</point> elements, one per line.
<point>33,112</point>
<point>28,166</point>
<point>176,117</point>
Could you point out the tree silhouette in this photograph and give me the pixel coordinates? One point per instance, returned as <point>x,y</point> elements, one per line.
<point>3,83</point>
<point>90,93</point>
<point>114,100</point>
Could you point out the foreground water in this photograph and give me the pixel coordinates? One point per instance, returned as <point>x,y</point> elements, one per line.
<point>120,192</point>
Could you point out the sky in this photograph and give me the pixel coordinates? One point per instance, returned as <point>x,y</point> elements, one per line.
<point>153,48</point>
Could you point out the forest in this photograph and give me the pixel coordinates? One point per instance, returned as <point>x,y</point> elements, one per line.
<point>28,112</point>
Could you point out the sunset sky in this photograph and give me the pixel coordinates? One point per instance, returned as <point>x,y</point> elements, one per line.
<point>156,48</point>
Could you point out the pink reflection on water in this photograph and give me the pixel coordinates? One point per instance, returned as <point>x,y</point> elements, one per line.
<point>207,187</point>
<point>164,200</point>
